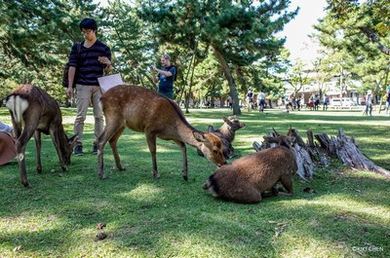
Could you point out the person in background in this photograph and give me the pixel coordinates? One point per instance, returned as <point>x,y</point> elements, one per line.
<point>261,101</point>
<point>368,109</point>
<point>298,101</point>
<point>92,59</point>
<point>316,102</point>
<point>229,101</point>
<point>388,100</point>
<point>325,102</point>
<point>165,76</point>
<point>249,99</point>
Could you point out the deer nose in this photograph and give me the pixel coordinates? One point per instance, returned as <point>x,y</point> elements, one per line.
<point>221,164</point>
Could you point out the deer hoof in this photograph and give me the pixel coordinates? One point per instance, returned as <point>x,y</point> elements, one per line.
<point>102,176</point>
<point>26,184</point>
<point>156,175</point>
<point>185,177</point>
<point>39,170</point>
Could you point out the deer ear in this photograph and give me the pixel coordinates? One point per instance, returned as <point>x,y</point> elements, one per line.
<point>291,139</point>
<point>72,140</point>
<point>227,120</point>
<point>199,136</point>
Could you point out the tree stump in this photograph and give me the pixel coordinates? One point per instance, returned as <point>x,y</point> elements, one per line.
<point>320,149</point>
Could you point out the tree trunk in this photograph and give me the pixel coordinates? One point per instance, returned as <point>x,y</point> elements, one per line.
<point>190,87</point>
<point>230,79</point>
<point>384,86</point>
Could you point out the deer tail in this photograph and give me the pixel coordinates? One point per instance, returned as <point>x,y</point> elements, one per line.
<point>17,105</point>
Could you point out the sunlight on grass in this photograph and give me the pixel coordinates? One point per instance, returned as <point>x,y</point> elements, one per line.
<point>293,245</point>
<point>147,217</point>
<point>144,192</point>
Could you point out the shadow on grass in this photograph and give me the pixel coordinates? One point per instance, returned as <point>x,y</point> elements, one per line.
<point>157,217</point>
<point>171,217</point>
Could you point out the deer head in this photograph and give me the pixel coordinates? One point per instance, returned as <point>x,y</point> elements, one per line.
<point>69,148</point>
<point>211,147</point>
<point>233,122</point>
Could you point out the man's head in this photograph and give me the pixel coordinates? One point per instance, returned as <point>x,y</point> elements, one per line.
<point>88,27</point>
<point>165,60</point>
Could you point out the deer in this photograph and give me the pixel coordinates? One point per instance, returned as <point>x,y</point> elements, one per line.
<point>227,133</point>
<point>33,111</point>
<point>254,176</point>
<point>143,110</point>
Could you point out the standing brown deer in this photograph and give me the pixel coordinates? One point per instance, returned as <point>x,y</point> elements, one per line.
<point>143,110</point>
<point>33,111</point>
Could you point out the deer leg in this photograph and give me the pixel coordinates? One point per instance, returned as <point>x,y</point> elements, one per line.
<point>246,194</point>
<point>286,181</point>
<point>272,192</point>
<point>21,149</point>
<point>113,142</point>
<point>185,160</point>
<point>151,139</point>
<point>108,133</point>
<point>57,144</point>
<point>37,138</point>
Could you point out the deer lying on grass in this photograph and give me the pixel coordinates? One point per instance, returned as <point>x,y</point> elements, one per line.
<point>143,110</point>
<point>250,177</point>
<point>227,133</point>
<point>33,111</point>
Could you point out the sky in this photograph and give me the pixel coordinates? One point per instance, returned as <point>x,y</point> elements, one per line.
<point>297,30</point>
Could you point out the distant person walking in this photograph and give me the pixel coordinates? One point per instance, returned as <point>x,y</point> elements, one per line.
<point>316,102</point>
<point>388,100</point>
<point>91,58</point>
<point>229,101</point>
<point>165,77</point>
<point>261,101</point>
<point>249,99</point>
<point>325,103</point>
<point>368,109</point>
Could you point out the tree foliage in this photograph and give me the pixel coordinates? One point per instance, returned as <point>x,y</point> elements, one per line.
<point>232,42</point>
<point>35,38</point>
<point>358,35</point>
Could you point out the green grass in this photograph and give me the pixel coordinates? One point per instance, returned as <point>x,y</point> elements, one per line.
<point>347,216</point>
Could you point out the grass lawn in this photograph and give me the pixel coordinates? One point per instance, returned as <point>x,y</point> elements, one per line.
<point>347,216</point>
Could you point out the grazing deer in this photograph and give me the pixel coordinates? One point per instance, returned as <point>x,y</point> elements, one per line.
<point>143,110</point>
<point>34,112</point>
<point>250,177</point>
<point>227,133</point>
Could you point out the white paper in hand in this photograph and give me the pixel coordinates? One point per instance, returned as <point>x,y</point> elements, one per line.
<point>110,81</point>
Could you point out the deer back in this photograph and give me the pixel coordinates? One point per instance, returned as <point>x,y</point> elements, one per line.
<point>143,110</point>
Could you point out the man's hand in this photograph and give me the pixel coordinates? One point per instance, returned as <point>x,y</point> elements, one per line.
<point>104,60</point>
<point>69,91</point>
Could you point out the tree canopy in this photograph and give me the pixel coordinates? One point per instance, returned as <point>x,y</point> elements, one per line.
<point>220,47</point>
